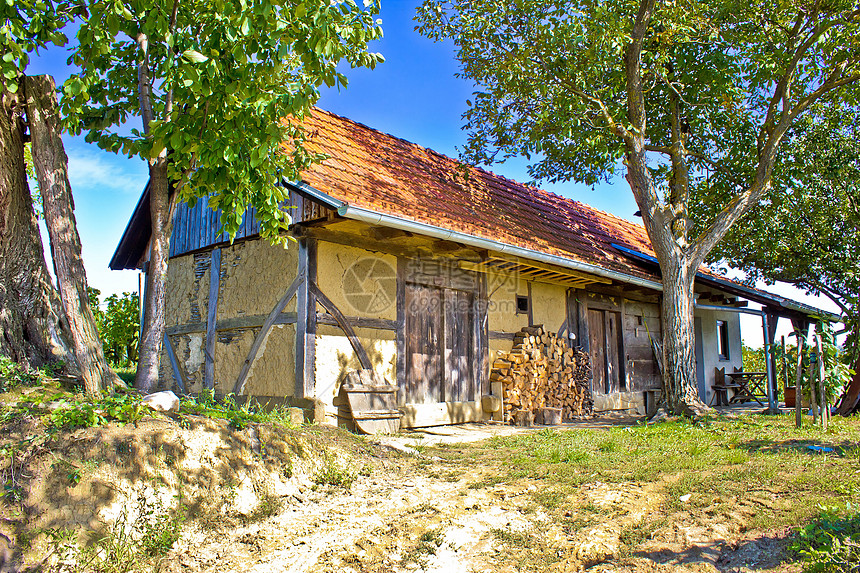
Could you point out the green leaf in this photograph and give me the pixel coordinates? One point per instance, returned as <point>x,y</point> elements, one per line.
<point>194,56</point>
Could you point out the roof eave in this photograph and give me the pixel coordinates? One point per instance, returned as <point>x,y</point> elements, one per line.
<point>378,218</point>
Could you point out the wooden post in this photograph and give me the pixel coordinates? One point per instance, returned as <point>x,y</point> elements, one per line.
<point>813,387</point>
<point>784,368</point>
<point>769,363</point>
<point>798,386</point>
<point>825,407</point>
<point>211,319</point>
<point>174,364</point>
<point>400,302</point>
<point>306,323</point>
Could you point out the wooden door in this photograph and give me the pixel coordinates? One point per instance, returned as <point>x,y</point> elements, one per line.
<point>614,372</point>
<point>605,344</point>
<point>440,345</point>
<point>597,349</point>
<point>424,336</point>
<point>459,346</point>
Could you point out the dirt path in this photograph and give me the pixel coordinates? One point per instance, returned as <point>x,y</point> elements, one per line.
<point>424,515</point>
<point>256,502</point>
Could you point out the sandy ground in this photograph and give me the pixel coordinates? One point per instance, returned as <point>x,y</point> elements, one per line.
<point>406,511</point>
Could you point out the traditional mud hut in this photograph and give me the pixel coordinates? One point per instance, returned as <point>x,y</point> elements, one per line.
<point>427,271</point>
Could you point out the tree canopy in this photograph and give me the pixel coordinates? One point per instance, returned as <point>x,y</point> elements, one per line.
<point>806,229</point>
<point>672,93</point>
<point>222,79</point>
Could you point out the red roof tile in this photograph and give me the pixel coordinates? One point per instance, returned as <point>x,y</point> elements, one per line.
<point>373,170</point>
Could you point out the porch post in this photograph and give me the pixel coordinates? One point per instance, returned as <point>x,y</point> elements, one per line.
<point>771,399</point>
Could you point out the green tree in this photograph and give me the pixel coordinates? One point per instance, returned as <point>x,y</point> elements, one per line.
<point>806,229</point>
<point>221,88</point>
<point>118,324</point>
<point>37,325</point>
<point>669,92</point>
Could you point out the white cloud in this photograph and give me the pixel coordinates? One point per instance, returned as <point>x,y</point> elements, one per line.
<point>93,168</point>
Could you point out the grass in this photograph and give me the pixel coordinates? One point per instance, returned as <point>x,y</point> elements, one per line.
<point>711,459</point>
<point>334,473</point>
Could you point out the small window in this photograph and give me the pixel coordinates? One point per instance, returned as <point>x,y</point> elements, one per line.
<point>522,304</point>
<point>723,339</point>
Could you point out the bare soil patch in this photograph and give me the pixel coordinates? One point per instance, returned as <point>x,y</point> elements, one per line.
<point>268,498</point>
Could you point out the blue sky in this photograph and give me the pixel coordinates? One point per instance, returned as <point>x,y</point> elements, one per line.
<point>414,95</point>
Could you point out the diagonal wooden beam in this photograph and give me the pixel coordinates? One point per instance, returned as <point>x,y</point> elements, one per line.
<point>264,332</point>
<point>343,323</point>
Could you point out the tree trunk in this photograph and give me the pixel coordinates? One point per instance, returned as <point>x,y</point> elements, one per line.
<point>33,331</point>
<point>679,351</point>
<point>156,277</point>
<point>51,165</point>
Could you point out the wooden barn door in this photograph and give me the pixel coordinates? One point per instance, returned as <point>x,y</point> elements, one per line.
<point>440,345</point>
<point>459,346</point>
<point>424,338</point>
<point>605,346</point>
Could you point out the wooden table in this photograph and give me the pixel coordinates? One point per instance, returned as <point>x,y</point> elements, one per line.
<point>749,386</point>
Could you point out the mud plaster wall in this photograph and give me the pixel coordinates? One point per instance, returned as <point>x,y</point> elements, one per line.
<point>273,373</point>
<point>186,301</point>
<point>502,310</point>
<point>358,282</point>
<point>253,277</point>
<point>335,358</point>
<point>549,305</point>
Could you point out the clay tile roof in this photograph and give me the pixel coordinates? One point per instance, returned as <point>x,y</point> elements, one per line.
<point>373,170</point>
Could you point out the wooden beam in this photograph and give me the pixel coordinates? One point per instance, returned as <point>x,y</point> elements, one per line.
<point>211,318</point>
<point>400,334</point>
<point>239,387</point>
<point>499,335</point>
<point>369,244</point>
<point>306,308</point>
<point>174,364</point>
<point>235,323</point>
<point>387,233</point>
<point>343,324</point>
<point>358,321</point>
<point>552,268</point>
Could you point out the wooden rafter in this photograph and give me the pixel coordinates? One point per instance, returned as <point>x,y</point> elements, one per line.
<point>534,270</point>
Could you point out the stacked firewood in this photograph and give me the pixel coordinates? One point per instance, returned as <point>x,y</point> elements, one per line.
<point>542,371</point>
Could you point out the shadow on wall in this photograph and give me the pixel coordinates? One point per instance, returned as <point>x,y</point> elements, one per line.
<point>349,362</point>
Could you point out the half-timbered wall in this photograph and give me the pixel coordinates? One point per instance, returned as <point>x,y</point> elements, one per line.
<point>250,278</point>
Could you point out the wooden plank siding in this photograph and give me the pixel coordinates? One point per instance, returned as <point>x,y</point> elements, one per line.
<point>198,227</point>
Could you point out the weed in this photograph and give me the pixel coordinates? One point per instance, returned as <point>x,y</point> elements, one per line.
<point>239,416</point>
<point>86,412</point>
<point>637,533</point>
<point>428,543</point>
<point>73,472</point>
<point>124,546</point>
<point>13,375</point>
<point>268,506</point>
<point>332,473</point>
